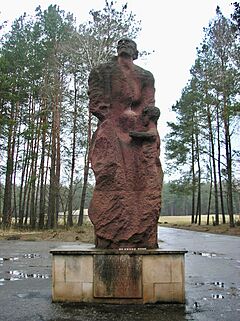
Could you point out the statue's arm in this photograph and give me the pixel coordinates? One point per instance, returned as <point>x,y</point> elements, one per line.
<point>99,100</point>
<point>150,135</point>
<point>148,90</point>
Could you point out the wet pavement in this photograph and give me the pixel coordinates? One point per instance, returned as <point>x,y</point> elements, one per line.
<point>212,273</point>
<point>212,283</point>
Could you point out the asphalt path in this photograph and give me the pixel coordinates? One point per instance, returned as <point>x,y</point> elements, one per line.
<point>212,273</point>
<point>212,283</point>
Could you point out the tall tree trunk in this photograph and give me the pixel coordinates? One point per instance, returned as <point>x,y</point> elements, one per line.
<point>58,163</point>
<point>70,195</point>
<point>16,167</point>
<point>33,213</point>
<point>211,183</point>
<point>37,199</point>
<point>42,164</point>
<point>219,168</point>
<point>86,171</point>
<point>23,177</point>
<point>52,185</point>
<point>193,179</point>
<point>214,166</point>
<point>197,210</point>
<point>209,201</point>
<point>28,198</point>
<point>199,203</point>
<point>7,200</point>
<point>46,177</point>
<point>228,163</point>
<point>26,189</point>
<point>28,183</point>
<point>54,188</point>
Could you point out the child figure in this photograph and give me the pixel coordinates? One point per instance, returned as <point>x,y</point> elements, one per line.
<point>146,128</point>
<point>146,139</point>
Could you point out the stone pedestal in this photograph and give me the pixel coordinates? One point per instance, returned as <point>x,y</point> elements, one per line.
<point>134,276</point>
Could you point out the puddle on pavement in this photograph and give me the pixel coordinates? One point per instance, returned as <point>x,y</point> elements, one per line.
<point>205,254</point>
<point>31,295</point>
<point>218,284</point>
<point>212,255</point>
<point>22,295</point>
<point>2,259</point>
<point>17,275</point>
<point>217,296</point>
<point>25,256</point>
<point>31,255</point>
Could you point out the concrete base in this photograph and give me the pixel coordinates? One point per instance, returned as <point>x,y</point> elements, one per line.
<point>117,276</point>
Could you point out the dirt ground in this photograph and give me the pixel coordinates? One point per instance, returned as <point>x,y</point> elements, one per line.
<point>85,233</point>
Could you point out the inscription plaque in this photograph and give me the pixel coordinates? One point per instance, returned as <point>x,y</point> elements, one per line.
<point>117,276</point>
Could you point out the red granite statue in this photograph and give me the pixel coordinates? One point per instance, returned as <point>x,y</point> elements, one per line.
<point>124,153</point>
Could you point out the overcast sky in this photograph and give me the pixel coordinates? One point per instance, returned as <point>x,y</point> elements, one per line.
<point>173,29</point>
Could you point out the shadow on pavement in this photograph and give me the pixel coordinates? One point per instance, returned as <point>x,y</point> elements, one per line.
<point>159,312</point>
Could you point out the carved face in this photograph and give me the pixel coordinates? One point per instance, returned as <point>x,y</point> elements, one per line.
<point>145,119</point>
<point>127,47</point>
<point>150,114</point>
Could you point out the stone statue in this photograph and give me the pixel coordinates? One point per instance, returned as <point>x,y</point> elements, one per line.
<point>124,153</point>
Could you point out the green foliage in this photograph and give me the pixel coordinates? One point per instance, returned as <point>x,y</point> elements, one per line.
<point>207,113</point>
<point>177,198</point>
<point>236,17</point>
<point>45,61</point>
<point>98,38</point>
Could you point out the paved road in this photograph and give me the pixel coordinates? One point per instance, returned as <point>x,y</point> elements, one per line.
<point>212,283</point>
<point>212,273</point>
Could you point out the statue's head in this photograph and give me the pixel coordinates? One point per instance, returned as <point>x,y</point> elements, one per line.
<point>150,113</point>
<point>128,47</point>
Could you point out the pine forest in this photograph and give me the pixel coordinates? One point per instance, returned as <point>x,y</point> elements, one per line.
<point>46,129</point>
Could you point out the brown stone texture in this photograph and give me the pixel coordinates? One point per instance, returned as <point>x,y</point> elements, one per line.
<point>124,156</point>
<point>86,274</point>
<point>111,282</point>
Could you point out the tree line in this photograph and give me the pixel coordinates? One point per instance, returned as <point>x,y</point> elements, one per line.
<point>203,142</point>
<point>177,201</point>
<point>45,126</point>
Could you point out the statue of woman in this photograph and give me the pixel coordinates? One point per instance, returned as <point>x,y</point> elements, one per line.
<point>125,153</point>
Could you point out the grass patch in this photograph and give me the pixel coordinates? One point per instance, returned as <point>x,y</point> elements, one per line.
<point>184,222</point>
<point>84,233</point>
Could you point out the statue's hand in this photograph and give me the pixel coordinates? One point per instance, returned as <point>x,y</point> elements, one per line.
<point>142,135</point>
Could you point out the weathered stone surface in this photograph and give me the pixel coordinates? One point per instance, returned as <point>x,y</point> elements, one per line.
<point>124,153</point>
<point>117,276</point>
